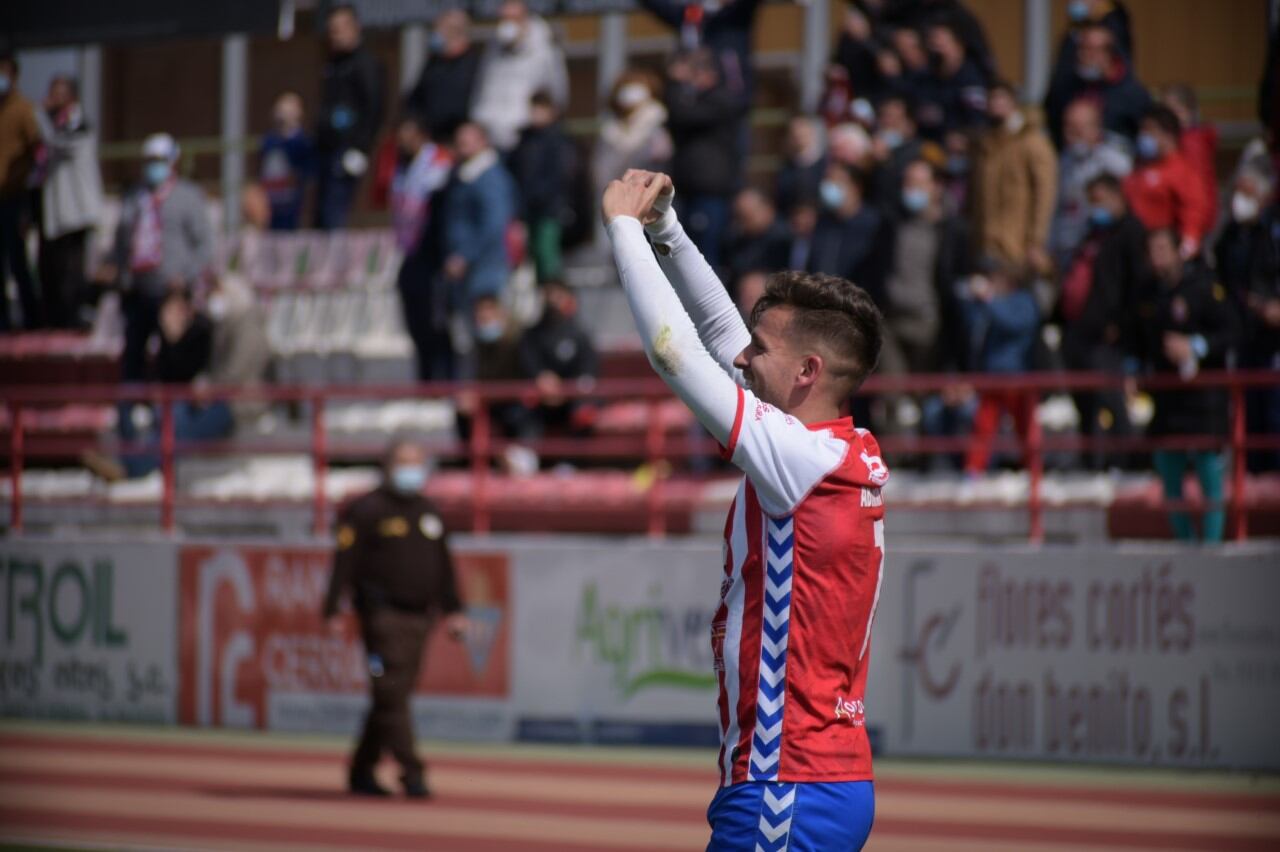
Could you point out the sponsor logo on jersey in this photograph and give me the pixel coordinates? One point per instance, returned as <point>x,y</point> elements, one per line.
<point>851,709</point>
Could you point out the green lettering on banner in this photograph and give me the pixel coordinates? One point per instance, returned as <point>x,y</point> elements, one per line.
<point>69,635</point>
<point>104,578</point>
<point>30,604</point>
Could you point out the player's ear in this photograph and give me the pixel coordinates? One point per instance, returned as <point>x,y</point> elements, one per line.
<point>811,367</point>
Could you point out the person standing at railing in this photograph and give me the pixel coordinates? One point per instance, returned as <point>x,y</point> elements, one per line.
<point>351,109</point>
<point>1188,325</point>
<point>443,93</point>
<point>19,142</point>
<point>392,555</point>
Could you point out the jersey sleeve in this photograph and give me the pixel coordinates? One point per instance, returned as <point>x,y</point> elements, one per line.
<point>783,458</point>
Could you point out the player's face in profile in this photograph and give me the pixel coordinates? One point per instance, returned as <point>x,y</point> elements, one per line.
<point>769,364</point>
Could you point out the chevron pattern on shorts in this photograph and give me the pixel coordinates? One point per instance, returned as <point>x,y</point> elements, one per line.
<point>774,830</point>
<point>766,741</point>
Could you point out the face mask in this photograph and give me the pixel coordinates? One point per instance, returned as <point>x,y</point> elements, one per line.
<point>1244,208</point>
<point>1089,73</point>
<point>891,138</point>
<point>957,164</point>
<point>632,95</point>
<point>436,43</point>
<point>832,194</point>
<point>5,85</point>
<point>216,307</point>
<point>507,32</point>
<point>915,200</point>
<point>1100,217</point>
<point>1079,150</point>
<point>1148,146</point>
<point>490,332</point>
<point>1078,10</point>
<point>156,172</point>
<point>1014,122</point>
<point>408,478</point>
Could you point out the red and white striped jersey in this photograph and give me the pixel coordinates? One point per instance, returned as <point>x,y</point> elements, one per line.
<point>804,552</point>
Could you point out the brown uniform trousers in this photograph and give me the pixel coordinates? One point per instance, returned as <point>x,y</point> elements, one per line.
<point>399,639</point>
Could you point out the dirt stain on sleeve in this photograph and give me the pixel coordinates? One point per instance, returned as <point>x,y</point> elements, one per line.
<point>665,354</point>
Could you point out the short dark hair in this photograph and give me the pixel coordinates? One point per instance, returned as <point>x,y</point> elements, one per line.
<point>922,161</point>
<point>1107,181</point>
<point>344,8</point>
<point>72,84</point>
<point>1002,85</point>
<point>9,58</point>
<point>542,98</point>
<point>1164,118</point>
<point>831,311</point>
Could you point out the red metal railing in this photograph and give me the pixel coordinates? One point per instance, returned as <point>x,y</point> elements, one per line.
<point>655,447</point>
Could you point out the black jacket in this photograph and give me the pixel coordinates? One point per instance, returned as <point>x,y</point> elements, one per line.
<point>1195,306</point>
<point>393,551</point>
<point>559,345</point>
<point>1123,98</point>
<point>704,127</point>
<point>852,249</point>
<point>765,252</point>
<point>1248,263</point>
<point>726,32</point>
<point>1119,275</point>
<point>798,183</point>
<point>943,104</point>
<point>442,95</point>
<point>180,361</point>
<point>351,102</point>
<point>541,164</point>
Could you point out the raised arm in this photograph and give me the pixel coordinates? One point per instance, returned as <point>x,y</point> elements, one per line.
<point>714,315</point>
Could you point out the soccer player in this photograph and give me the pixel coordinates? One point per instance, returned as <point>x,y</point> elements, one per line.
<point>804,537</point>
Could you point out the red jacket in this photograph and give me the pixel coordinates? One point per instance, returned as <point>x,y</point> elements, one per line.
<point>1168,193</point>
<point>1200,147</point>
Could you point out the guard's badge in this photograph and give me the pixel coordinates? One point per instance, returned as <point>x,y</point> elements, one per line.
<point>346,536</point>
<point>431,526</point>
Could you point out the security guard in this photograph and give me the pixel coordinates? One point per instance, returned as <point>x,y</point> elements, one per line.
<point>393,553</point>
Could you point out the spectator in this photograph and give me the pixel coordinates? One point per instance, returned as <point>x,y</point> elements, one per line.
<point>286,163</point>
<point>1198,142</point>
<point>914,72</point>
<point>1163,190</point>
<point>895,146</point>
<point>422,172</point>
<point>19,142</point>
<point>724,29</point>
<point>557,353</point>
<point>928,257</point>
<point>922,14</point>
<point>847,239</point>
<point>1100,71</point>
<point>71,201</point>
<point>240,352</point>
<point>633,134</point>
<point>1248,263</point>
<point>164,243</point>
<point>1188,326</point>
<point>758,241</point>
<point>497,359</point>
<point>954,97</point>
<point>957,172</point>
<point>1001,323</point>
<point>351,107</point>
<point>702,117</point>
<point>1014,185</point>
<point>857,54</point>
<point>750,288</point>
<point>522,59</point>
<point>186,344</point>
<point>479,209</point>
<point>1112,14</point>
<point>804,164</point>
<point>444,91</point>
<point>541,165</point>
<point>1088,153</point>
<point>802,223</point>
<point>1104,278</point>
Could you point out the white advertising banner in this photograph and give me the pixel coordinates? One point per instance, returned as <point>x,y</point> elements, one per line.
<point>88,630</point>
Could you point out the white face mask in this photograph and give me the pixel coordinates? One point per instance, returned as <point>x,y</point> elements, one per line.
<point>507,32</point>
<point>1015,122</point>
<point>632,95</point>
<point>216,307</point>
<point>1244,208</point>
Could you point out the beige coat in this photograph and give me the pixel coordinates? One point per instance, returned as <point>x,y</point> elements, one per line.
<point>1015,184</point>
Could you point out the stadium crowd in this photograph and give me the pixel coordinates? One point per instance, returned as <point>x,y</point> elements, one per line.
<point>1083,233</point>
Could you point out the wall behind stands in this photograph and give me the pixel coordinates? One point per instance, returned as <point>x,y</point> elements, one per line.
<point>1131,656</point>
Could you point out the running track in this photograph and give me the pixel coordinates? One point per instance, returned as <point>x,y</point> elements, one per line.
<point>149,788</point>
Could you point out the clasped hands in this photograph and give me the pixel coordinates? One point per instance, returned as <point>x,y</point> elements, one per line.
<point>642,195</point>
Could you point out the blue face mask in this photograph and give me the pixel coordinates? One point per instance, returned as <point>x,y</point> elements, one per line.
<point>435,43</point>
<point>832,194</point>
<point>489,332</point>
<point>957,165</point>
<point>1077,10</point>
<point>915,200</point>
<point>5,85</point>
<point>892,138</point>
<point>1089,73</point>
<point>408,478</point>
<point>1100,217</point>
<point>1148,146</point>
<point>155,172</point>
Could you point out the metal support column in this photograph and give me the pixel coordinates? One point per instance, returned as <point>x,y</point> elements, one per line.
<point>413,54</point>
<point>90,74</point>
<point>612,59</point>
<point>235,122</point>
<point>1037,52</point>
<point>814,52</point>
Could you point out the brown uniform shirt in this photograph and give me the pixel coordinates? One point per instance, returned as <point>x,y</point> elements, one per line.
<point>393,551</point>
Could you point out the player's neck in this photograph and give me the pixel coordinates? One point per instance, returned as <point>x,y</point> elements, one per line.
<point>811,411</point>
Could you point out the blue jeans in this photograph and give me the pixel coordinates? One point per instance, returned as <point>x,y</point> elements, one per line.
<point>706,218</point>
<point>190,423</point>
<point>335,194</point>
<point>1210,469</point>
<point>813,817</point>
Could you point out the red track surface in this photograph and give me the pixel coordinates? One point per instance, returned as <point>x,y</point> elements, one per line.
<point>142,790</point>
